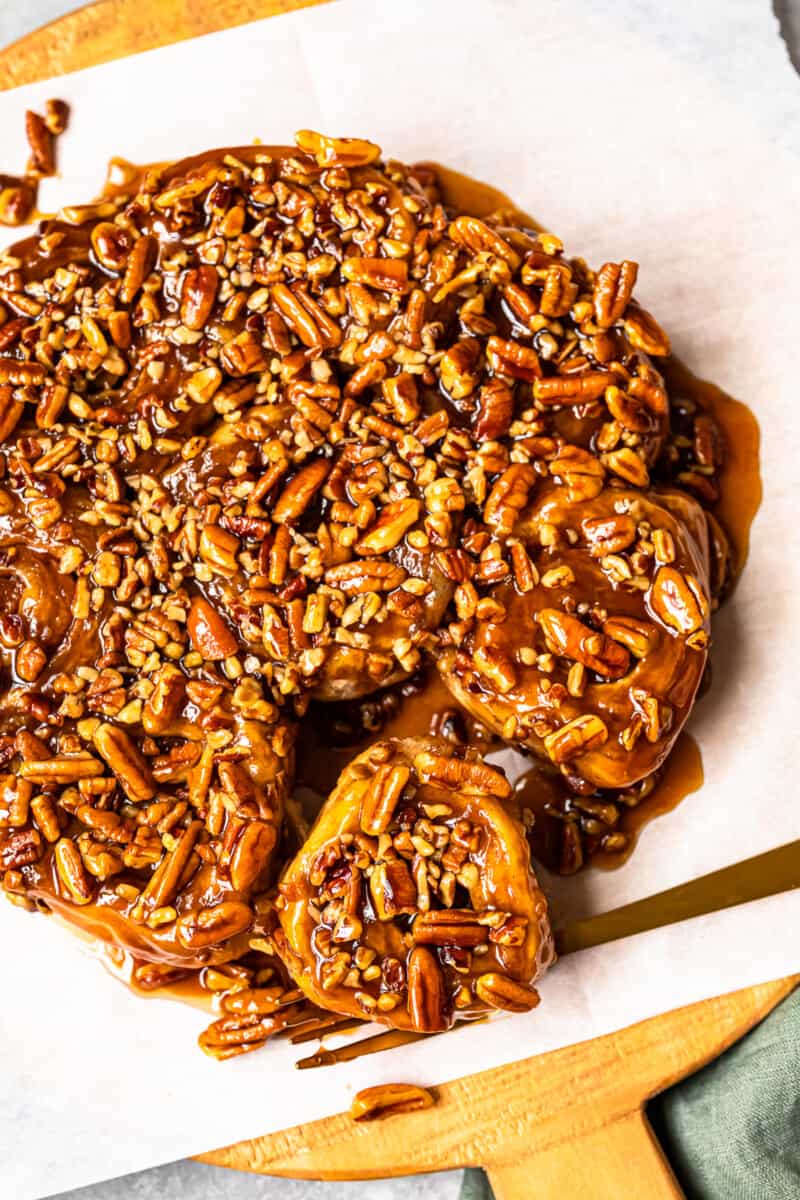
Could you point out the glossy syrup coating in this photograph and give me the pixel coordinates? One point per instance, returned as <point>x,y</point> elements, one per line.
<point>167,421</point>
<point>290,364</point>
<point>276,425</point>
<point>163,857</point>
<point>592,652</point>
<point>413,900</point>
<point>47,622</point>
<point>381,581</point>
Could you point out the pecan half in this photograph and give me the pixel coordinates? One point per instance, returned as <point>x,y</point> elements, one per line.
<point>210,926</point>
<point>165,701</point>
<point>252,853</point>
<point>357,577</point>
<point>500,991</point>
<point>382,797</point>
<point>457,773</point>
<point>20,849</point>
<point>426,998</point>
<point>495,410</point>
<point>40,140</point>
<point>387,274</point>
<point>198,294</point>
<point>337,152</point>
<point>392,889</point>
<point>71,871</point>
<point>459,368</point>
<point>126,761</point>
<point>475,235</point>
<point>645,333</point>
<point>609,535</point>
<point>640,637</point>
<point>141,261</point>
<point>62,769</point>
<point>581,473</point>
<point>386,1099</point>
<point>513,360</point>
<point>578,736</point>
<point>208,631</point>
<point>219,548</point>
<point>496,665</point>
<point>678,600</point>
<point>571,389</point>
<point>569,636</point>
<point>509,496</point>
<point>449,927</point>
<point>612,291</point>
<point>390,528</point>
<point>299,492</point>
<point>243,354</point>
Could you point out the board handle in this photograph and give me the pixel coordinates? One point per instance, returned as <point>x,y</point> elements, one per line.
<point>622,1158</point>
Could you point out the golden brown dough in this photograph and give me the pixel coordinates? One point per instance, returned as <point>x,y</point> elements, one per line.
<point>592,652</point>
<point>413,900</point>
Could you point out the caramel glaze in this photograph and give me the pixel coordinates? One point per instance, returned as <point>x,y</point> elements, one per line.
<point>740,489</point>
<point>671,668</point>
<point>739,476</point>
<point>372,1045</point>
<point>681,776</point>
<point>329,741</point>
<point>473,196</point>
<point>504,883</point>
<point>332,736</point>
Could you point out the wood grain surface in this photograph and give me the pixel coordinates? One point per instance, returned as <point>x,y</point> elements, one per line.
<point>566,1124</point>
<point>570,1115</point>
<point>112,29</point>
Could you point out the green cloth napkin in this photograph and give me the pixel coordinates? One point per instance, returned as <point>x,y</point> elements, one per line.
<point>732,1131</point>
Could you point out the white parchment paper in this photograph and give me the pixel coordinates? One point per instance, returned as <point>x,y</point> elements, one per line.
<point>667,134</point>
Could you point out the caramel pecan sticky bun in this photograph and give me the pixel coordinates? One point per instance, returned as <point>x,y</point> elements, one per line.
<point>591,653</point>
<point>413,900</point>
<point>278,427</point>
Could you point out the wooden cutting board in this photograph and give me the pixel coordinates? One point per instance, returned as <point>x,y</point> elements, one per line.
<point>566,1124</point>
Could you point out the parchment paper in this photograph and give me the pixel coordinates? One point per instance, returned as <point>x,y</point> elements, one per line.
<point>670,135</point>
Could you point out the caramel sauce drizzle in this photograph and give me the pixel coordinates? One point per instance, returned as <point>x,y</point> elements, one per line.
<point>371,1045</point>
<point>740,475</point>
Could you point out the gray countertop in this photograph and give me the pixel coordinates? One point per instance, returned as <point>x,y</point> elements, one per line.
<point>193,1181</point>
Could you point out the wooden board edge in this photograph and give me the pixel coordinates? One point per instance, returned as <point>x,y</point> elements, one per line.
<point>497,1116</point>
<point>110,29</point>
